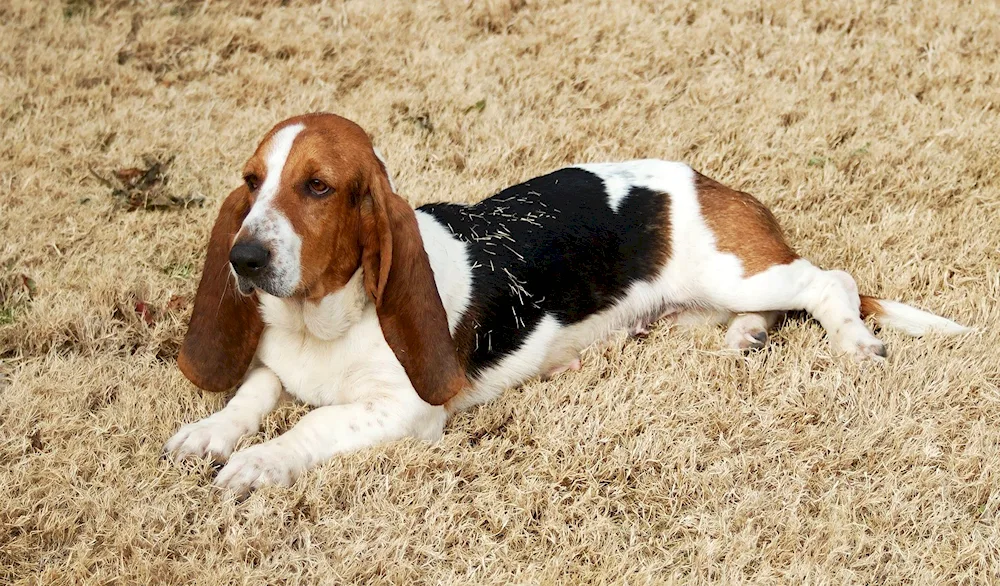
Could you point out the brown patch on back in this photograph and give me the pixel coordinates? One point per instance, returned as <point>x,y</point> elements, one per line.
<point>743,226</point>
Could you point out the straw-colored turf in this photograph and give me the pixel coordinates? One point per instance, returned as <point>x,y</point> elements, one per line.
<point>872,129</point>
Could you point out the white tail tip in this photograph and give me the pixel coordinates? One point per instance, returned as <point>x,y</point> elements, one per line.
<point>913,321</point>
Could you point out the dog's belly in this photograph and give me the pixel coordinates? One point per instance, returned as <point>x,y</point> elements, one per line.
<point>552,346</point>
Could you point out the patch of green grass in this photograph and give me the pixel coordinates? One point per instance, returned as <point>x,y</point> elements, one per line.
<point>8,315</point>
<point>478,106</point>
<point>861,151</point>
<point>181,271</point>
<point>820,161</point>
<point>73,8</point>
<point>185,9</point>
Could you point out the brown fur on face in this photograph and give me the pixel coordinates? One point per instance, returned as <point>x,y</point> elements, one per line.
<point>743,226</point>
<point>359,223</point>
<point>339,153</point>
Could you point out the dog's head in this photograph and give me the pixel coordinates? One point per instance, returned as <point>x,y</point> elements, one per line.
<point>315,205</point>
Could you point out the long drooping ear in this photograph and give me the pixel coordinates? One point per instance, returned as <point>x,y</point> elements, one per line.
<point>398,275</point>
<point>225,324</point>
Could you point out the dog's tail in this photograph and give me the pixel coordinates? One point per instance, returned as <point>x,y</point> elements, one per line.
<point>907,319</point>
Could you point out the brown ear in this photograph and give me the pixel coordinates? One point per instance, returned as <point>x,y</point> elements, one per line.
<point>225,324</point>
<point>398,275</point>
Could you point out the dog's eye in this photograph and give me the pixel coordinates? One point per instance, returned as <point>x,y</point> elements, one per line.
<point>252,181</point>
<point>317,187</point>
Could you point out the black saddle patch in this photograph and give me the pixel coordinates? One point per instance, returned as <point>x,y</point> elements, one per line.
<point>551,245</point>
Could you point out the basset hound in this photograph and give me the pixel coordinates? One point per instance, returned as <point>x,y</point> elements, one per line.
<point>320,280</point>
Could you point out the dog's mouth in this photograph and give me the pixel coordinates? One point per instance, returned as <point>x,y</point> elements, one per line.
<point>245,285</point>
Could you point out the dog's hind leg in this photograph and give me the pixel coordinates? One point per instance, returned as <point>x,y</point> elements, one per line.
<point>830,296</point>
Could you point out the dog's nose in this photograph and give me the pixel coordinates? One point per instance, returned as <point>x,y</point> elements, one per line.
<point>249,258</point>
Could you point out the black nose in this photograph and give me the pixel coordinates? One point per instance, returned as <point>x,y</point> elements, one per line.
<point>249,258</point>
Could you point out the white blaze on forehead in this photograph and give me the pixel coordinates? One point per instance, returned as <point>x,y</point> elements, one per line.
<point>275,158</point>
<point>268,225</point>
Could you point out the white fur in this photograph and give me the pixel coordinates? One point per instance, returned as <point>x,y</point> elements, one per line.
<point>339,362</point>
<point>332,354</point>
<point>528,361</point>
<point>449,258</point>
<point>620,178</point>
<point>749,330</point>
<point>333,315</point>
<point>268,225</point>
<point>915,322</point>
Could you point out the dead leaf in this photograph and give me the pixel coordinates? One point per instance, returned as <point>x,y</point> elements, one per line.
<point>424,122</point>
<point>144,311</point>
<point>478,106</point>
<point>129,176</point>
<point>134,188</point>
<point>177,303</point>
<point>36,441</point>
<point>29,284</point>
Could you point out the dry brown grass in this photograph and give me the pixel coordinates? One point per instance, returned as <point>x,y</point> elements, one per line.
<point>871,128</point>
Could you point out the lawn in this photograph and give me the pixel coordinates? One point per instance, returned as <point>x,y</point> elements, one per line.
<point>872,129</point>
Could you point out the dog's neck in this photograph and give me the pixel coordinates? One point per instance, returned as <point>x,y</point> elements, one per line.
<point>328,318</point>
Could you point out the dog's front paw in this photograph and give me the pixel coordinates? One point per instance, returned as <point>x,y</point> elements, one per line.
<point>257,466</point>
<point>209,438</point>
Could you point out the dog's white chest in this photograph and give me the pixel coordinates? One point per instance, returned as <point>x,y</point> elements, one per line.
<point>327,353</point>
<point>312,370</point>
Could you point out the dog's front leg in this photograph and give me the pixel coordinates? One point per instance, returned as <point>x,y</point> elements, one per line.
<point>216,435</point>
<point>325,432</point>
